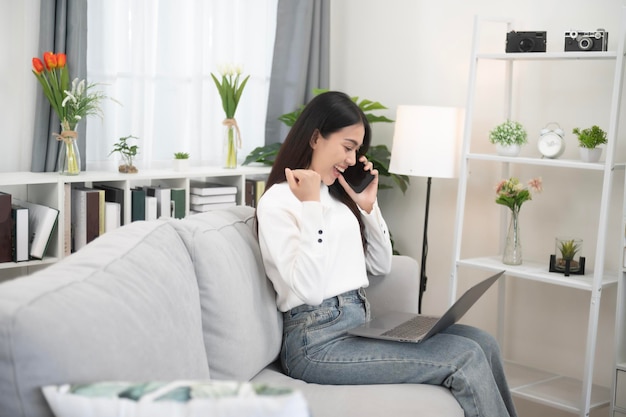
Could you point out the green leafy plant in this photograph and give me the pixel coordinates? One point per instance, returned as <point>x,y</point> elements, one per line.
<point>181,155</point>
<point>379,155</point>
<point>569,249</point>
<point>591,137</point>
<point>127,152</point>
<point>508,133</point>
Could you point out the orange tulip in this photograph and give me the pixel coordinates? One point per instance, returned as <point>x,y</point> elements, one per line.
<point>61,59</point>
<point>50,59</point>
<point>37,65</point>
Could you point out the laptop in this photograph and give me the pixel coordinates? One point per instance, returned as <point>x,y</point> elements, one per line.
<point>415,328</point>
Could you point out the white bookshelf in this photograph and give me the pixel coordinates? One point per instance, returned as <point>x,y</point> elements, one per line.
<point>50,189</point>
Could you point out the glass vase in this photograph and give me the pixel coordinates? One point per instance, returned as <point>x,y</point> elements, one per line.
<point>513,246</point>
<point>68,162</point>
<point>231,142</point>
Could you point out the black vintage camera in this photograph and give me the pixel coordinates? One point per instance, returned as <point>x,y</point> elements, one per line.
<point>586,41</point>
<point>526,41</point>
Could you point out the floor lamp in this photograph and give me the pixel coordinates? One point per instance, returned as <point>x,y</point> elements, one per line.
<point>426,143</point>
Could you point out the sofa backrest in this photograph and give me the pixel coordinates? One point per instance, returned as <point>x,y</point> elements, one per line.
<point>241,324</point>
<point>125,307</point>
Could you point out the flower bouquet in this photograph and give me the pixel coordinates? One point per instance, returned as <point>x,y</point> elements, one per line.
<point>230,89</point>
<point>512,194</point>
<point>71,102</point>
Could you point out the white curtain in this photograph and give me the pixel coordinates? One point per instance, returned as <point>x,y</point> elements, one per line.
<point>155,57</point>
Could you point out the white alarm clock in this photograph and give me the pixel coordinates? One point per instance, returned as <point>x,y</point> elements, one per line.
<point>551,142</point>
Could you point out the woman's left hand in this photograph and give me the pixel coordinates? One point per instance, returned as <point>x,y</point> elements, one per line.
<point>366,198</point>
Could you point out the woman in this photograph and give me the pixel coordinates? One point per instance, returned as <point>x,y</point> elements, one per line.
<point>319,239</point>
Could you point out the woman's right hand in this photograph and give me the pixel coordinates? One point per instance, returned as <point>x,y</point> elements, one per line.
<point>304,183</point>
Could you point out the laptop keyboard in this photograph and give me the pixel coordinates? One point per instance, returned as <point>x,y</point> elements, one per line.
<point>412,328</point>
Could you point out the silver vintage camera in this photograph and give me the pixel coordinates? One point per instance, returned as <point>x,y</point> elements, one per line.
<point>586,41</point>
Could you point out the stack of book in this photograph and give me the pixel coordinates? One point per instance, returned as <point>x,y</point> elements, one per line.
<point>255,187</point>
<point>205,196</point>
<point>25,229</point>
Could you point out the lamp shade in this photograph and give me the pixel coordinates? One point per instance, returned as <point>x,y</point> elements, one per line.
<point>426,141</point>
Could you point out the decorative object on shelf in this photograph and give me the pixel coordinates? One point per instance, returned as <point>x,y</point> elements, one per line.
<point>230,91</point>
<point>379,155</point>
<point>426,143</point>
<point>127,152</point>
<point>565,249</point>
<point>513,194</point>
<point>588,141</point>
<point>68,161</point>
<point>70,104</point>
<point>508,137</point>
<point>551,143</point>
<point>181,161</point>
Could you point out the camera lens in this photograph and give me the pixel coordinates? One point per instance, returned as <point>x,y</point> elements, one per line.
<point>585,44</point>
<point>526,45</point>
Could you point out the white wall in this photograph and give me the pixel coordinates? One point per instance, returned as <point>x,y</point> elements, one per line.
<point>418,52</point>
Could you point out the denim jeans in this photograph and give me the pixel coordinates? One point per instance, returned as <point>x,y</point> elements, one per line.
<point>316,348</point>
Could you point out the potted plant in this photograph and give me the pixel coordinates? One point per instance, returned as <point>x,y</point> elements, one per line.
<point>563,260</point>
<point>379,155</point>
<point>508,138</point>
<point>181,161</point>
<point>588,141</point>
<point>127,152</point>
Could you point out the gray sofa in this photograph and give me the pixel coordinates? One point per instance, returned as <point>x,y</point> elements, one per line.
<point>176,299</point>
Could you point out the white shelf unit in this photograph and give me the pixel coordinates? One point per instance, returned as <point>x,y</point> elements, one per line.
<point>538,385</point>
<point>50,189</point>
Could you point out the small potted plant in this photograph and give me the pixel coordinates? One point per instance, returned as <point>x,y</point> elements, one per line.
<point>508,138</point>
<point>563,260</point>
<point>588,141</point>
<point>181,161</point>
<point>127,152</point>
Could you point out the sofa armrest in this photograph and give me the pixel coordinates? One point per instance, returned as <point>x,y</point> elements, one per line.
<point>398,290</point>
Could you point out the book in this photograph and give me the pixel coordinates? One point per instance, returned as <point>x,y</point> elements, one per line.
<point>101,211</point>
<point>41,223</point>
<point>209,188</point>
<point>67,220</point>
<point>178,197</point>
<point>151,207</point>
<point>211,206</point>
<point>112,216</point>
<point>254,190</point>
<point>163,198</point>
<point>137,204</point>
<point>217,198</point>
<point>6,228</point>
<point>20,233</point>
<point>115,195</point>
<point>85,216</point>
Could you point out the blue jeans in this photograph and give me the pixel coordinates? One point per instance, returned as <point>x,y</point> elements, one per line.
<point>316,348</point>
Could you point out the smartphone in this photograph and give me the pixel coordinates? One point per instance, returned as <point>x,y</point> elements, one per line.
<point>357,177</point>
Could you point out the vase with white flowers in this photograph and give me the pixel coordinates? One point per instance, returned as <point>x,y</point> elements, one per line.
<point>512,194</point>
<point>230,89</point>
<point>71,103</point>
<point>508,137</point>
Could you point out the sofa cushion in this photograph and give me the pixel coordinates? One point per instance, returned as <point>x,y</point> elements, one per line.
<point>125,307</point>
<point>242,326</point>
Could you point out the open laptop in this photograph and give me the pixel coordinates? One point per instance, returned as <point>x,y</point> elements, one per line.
<point>415,328</point>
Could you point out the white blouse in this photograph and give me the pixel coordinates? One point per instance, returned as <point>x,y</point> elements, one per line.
<point>312,250</point>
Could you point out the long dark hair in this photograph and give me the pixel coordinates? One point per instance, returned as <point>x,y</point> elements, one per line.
<point>325,114</point>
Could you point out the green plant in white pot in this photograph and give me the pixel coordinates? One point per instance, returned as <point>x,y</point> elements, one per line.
<point>181,161</point>
<point>588,141</point>
<point>508,138</point>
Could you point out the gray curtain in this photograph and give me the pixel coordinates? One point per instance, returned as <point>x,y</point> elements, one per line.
<point>63,28</point>
<point>300,62</point>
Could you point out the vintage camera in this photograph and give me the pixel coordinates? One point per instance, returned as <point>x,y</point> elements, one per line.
<point>586,41</point>
<point>526,41</point>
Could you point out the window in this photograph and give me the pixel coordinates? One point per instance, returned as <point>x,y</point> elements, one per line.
<point>156,58</point>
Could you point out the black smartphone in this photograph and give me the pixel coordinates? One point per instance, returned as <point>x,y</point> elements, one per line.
<point>357,177</point>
